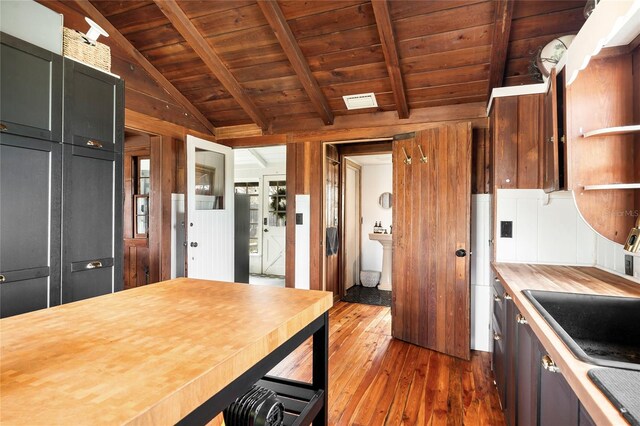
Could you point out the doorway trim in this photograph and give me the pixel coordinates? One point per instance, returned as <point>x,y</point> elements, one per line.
<point>348,164</point>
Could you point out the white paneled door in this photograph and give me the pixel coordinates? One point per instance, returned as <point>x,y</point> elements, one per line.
<point>210,228</point>
<point>274,220</point>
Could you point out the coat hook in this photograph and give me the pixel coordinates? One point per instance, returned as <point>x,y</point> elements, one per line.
<point>407,159</point>
<point>423,158</point>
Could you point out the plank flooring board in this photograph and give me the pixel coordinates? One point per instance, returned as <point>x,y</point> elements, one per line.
<point>375,379</point>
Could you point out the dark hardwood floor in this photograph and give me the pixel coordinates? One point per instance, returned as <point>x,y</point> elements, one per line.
<point>377,380</point>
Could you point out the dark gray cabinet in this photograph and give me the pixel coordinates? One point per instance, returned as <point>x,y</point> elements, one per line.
<point>30,174</point>
<point>93,108</point>
<point>92,182</point>
<point>60,192</point>
<point>528,354</point>
<point>559,405</point>
<point>499,355</point>
<point>30,90</point>
<point>91,223</point>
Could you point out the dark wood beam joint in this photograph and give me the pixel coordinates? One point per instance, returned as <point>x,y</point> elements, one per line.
<point>500,43</point>
<point>390,51</point>
<point>278,23</point>
<point>190,33</point>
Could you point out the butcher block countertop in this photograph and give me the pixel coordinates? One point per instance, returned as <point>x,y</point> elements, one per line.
<point>149,355</point>
<point>586,280</point>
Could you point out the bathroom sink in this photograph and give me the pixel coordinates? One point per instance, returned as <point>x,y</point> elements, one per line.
<point>601,330</point>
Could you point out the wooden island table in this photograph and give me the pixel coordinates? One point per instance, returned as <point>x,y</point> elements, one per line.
<point>179,351</point>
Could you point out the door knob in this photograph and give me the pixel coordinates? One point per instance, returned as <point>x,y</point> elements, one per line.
<point>461,252</point>
<point>266,230</point>
<point>194,244</point>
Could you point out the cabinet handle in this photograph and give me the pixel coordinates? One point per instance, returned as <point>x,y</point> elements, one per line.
<point>3,128</point>
<point>497,298</point>
<point>496,336</point>
<point>94,144</point>
<point>506,296</point>
<point>2,279</point>
<point>94,265</point>
<point>549,365</point>
<point>520,319</point>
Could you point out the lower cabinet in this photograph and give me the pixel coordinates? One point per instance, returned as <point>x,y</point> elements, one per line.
<point>29,224</point>
<point>531,388</point>
<point>91,223</point>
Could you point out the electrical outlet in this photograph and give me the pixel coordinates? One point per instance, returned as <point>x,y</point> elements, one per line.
<point>628,264</point>
<point>506,229</point>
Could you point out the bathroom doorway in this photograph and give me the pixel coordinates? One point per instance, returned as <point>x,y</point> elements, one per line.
<point>356,175</point>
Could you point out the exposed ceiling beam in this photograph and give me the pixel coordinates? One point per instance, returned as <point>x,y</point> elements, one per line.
<point>500,43</point>
<point>121,40</point>
<point>278,23</point>
<point>196,41</point>
<point>263,163</point>
<point>390,51</point>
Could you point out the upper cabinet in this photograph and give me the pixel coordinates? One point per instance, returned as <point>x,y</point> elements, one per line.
<point>31,83</point>
<point>516,134</point>
<point>603,118</point>
<point>94,105</point>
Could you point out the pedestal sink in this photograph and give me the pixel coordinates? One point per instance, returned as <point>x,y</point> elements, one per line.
<point>387,251</point>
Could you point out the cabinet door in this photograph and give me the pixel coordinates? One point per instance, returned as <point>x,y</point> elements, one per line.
<point>510,342</point>
<point>558,403</point>
<point>30,173</point>
<point>528,373</point>
<point>91,223</point>
<point>499,361</point>
<point>585,418</point>
<point>30,90</point>
<point>93,108</point>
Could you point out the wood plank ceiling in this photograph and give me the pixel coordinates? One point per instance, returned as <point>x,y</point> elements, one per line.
<point>291,61</point>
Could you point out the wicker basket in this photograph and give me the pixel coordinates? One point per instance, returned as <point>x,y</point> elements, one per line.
<point>75,46</point>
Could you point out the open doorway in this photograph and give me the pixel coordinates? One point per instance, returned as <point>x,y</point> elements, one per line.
<point>358,208</point>
<point>261,187</point>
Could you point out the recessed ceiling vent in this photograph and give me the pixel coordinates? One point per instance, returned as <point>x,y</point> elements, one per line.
<point>363,100</point>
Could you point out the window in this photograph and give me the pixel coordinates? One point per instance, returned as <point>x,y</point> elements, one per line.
<point>252,188</point>
<point>142,166</point>
<point>277,203</point>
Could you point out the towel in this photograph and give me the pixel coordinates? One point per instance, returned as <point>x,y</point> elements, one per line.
<point>332,241</point>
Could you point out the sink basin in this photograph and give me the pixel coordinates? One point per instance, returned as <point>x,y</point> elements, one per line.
<point>601,330</point>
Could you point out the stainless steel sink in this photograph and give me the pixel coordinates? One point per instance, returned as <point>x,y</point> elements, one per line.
<point>601,330</point>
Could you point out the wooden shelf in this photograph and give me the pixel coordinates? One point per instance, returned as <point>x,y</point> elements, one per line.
<point>607,131</point>
<point>612,186</point>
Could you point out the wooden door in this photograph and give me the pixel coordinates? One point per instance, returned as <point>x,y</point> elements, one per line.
<point>351,224</point>
<point>431,227</point>
<point>274,225</point>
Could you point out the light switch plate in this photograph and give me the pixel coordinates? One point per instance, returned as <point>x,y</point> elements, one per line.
<point>506,229</point>
<point>628,264</point>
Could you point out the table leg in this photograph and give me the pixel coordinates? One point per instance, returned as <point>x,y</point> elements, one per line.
<point>321,368</point>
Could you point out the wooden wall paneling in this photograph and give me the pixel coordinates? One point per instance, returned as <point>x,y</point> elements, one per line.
<point>608,83</point>
<point>156,207</point>
<point>292,190</point>
<point>314,186</point>
<point>168,166</point>
<point>550,170</point>
<point>481,146</point>
<point>528,142</point>
<point>500,43</point>
<point>332,206</point>
<point>636,108</point>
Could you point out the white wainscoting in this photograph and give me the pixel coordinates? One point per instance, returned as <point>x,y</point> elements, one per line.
<point>480,272</point>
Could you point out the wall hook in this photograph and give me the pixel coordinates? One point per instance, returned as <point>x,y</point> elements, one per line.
<point>407,159</point>
<point>422,156</point>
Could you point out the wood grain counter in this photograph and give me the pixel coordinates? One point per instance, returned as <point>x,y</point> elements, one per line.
<point>585,280</point>
<point>149,355</point>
